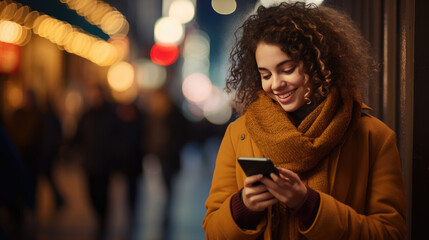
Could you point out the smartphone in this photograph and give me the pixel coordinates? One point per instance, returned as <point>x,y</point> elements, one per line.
<point>257,165</point>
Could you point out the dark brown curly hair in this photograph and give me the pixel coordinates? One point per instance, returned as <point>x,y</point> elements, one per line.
<point>330,47</point>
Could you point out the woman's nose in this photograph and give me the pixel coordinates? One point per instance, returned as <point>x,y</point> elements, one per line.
<point>278,82</point>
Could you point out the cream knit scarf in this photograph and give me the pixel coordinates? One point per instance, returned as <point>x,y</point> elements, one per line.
<point>304,149</point>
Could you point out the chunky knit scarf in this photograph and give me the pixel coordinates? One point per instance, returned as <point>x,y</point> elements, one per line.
<point>303,149</point>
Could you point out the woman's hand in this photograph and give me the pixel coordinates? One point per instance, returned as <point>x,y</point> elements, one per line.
<point>255,196</point>
<point>287,188</point>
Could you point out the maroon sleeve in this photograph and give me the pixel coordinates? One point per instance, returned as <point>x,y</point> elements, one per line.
<point>308,210</point>
<point>244,217</point>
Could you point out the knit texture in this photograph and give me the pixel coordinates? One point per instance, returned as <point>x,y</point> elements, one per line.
<point>304,149</point>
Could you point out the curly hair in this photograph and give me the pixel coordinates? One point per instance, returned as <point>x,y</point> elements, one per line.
<point>326,42</point>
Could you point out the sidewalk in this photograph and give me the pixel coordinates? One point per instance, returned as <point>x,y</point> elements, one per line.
<point>76,219</point>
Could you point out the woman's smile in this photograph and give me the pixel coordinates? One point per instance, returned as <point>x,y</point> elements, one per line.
<point>286,97</point>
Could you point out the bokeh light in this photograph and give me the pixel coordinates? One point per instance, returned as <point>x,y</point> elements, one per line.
<point>120,76</point>
<point>192,112</point>
<point>193,65</point>
<point>122,45</point>
<point>217,108</point>
<point>196,54</point>
<point>20,14</point>
<point>317,2</point>
<point>101,14</point>
<point>103,53</point>
<point>73,102</point>
<point>30,18</point>
<point>127,96</point>
<point>196,45</point>
<point>224,7</point>
<point>196,87</point>
<point>182,10</point>
<point>164,53</point>
<point>168,30</point>
<point>75,41</point>
<point>14,95</point>
<point>10,32</point>
<point>267,3</point>
<point>150,75</point>
<point>10,57</point>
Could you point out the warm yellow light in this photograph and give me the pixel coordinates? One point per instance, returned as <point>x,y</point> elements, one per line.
<point>182,10</point>
<point>81,44</point>
<point>30,18</point>
<point>45,26</point>
<point>101,14</point>
<point>88,8</point>
<point>71,39</point>
<point>10,32</point>
<point>37,22</point>
<point>25,37</point>
<point>9,11</point>
<point>20,14</point>
<point>127,96</point>
<point>79,4</point>
<point>224,7</point>
<point>65,31</point>
<point>122,45</point>
<point>120,76</point>
<point>114,23</point>
<point>14,96</point>
<point>100,11</point>
<point>103,53</point>
<point>73,102</point>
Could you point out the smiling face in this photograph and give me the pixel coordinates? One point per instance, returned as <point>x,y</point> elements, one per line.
<point>282,78</point>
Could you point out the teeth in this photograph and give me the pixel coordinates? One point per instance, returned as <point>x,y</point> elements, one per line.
<point>286,95</point>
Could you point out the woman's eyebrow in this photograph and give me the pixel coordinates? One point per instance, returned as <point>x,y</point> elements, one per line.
<point>277,66</point>
<point>284,62</point>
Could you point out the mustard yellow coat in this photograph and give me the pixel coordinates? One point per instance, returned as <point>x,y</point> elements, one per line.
<point>366,199</point>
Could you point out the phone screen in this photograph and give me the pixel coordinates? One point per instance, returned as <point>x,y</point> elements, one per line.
<point>257,165</point>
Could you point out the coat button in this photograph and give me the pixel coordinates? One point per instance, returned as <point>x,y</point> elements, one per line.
<point>243,136</point>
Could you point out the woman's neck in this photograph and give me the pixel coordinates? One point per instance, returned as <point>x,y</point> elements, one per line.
<point>301,113</point>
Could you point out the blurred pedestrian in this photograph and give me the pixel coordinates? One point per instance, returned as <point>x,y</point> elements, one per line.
<point>167,134</point>
<point>51,142</point>
<point>94,138</point>
<point>17,199</point>
<point>129,150</point>
<point>26,129</point>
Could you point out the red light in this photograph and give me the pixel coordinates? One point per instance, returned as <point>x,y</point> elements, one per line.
<point>10,58</point>
<point>164,54</point>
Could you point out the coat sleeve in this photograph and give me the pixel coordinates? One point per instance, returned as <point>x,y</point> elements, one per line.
<point>384,214</point>
<point>218,222</point>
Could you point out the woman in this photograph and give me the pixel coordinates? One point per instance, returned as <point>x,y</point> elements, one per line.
<point>296,70</point>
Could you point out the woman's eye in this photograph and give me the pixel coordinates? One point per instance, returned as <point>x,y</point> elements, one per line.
<point>266,77</point>
<point>289,71</point>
